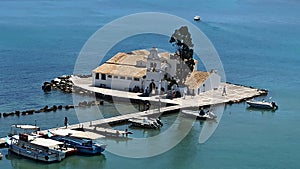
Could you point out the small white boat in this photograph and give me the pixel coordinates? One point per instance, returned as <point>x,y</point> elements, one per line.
<point>146,122</point>
<point>262,104</point>
<point>196,18</point>
<point>1,156</point>
<point>209,115</point>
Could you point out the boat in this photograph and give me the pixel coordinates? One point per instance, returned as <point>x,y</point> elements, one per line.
<point>145,122</point>
<point>1,156</point>
<point>196,18</point>
<point>82,141</point>
<point>23,128</point>
<point>262,104</point>
<point>37,148</point>
<point>209,115</point>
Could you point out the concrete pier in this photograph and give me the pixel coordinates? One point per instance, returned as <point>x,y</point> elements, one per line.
<point>234,94</point>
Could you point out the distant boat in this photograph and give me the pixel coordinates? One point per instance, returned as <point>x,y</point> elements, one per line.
<point>146,122</point>
<point>209,115</point>
<point>82,141</point>
<point>196,18</point>
<point>262,104</point>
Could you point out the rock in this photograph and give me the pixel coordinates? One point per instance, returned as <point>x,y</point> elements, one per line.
<point>54,107</point>
<point>17,113</point>
<point>60,107</point>
<point>46,87</point>
<point>30,111</point>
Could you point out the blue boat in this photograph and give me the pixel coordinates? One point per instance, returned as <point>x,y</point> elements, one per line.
<point>79,140</point>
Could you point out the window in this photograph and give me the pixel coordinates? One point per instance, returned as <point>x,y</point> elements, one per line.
<point>103,76</point>
<point>116,77</point>
<point>136,79</point>
<point>129,78</point>
<point>122,77</point>
<point>97,76</point>
<point>108,76</point>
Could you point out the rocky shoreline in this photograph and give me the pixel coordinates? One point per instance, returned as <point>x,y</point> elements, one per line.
<point>64,83</point>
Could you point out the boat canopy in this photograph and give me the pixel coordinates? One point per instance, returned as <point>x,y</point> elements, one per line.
<point>46,142</point>
<point>26,127</point>
<point>77,134</point>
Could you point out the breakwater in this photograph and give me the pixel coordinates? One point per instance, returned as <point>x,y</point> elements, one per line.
<point>53,108</point>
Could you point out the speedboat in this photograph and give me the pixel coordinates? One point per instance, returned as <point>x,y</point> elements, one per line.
<point>262,104</point>
<point>209,115</point>
<point>145,122</point>
<point>196,18</point>
<point>82,141</point>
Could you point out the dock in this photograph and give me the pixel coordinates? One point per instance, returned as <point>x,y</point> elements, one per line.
<point>234,94</point>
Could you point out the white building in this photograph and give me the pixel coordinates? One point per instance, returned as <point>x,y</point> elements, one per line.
<point>141,69</point>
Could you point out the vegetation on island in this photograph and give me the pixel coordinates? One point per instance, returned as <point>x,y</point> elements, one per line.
<point>182,40</point>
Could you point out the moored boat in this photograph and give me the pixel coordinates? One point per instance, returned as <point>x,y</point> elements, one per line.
<point>82,141</point>
<point>146,122</point>
<point>262,104</point>
<point>36,148</point>
<point>209,115</point>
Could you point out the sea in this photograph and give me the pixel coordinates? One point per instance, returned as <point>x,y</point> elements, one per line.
<point>258,45</point>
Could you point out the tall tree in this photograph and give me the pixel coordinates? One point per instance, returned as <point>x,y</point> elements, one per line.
<point>182,40</point>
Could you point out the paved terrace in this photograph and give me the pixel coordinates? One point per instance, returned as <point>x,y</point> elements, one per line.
<point>234,93</point>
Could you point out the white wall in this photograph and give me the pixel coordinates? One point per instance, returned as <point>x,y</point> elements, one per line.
<point>117,83</point>
<point>213,82</point>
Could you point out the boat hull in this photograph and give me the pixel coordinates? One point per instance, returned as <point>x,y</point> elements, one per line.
<point>193,114</point>
<point>81,149</point>
<point>262,105</point>
<point>40,156</point>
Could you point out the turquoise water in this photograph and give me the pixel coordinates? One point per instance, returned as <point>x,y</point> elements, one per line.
<point>258,43</point>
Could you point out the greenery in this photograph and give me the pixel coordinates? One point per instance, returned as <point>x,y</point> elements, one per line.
<point>182,40</point>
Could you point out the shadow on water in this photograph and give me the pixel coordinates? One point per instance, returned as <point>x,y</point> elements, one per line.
<point>76,161</point>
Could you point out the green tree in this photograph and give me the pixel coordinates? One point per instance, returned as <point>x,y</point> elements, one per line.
<point>182,40</point>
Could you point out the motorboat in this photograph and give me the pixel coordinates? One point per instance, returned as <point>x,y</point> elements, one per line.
<point>262,104</point>
<point>197,18</point>
<point>23,128</point>
<point>209,115</point>
<point>145,122</point>
<point>36,148</point>
<point>1,156</point>
<point>82,141</point>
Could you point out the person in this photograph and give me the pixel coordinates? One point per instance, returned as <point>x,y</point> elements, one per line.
<point>66,122</point>
<point>202,112</point>
<point>224,91</point>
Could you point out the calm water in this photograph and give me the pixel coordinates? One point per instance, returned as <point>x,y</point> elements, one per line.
<point>258,42</point>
